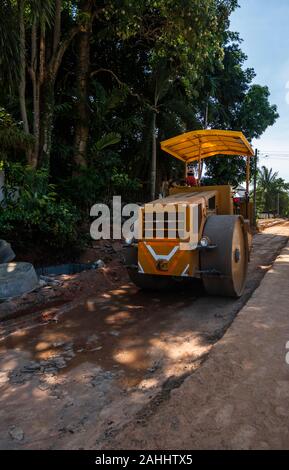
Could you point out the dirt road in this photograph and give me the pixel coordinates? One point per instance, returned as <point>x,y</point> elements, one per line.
<point>78,380</point>
<point>238,399</point>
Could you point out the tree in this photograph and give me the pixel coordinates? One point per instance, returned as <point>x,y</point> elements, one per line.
<point>9,44</point>
<point>272,192</point>
<point>12,137</point>
<point>256,113</point>
<point>46,59</point>
<point>41,21</point>
<point>182,47</point>
<point>82,76</point>
<point>123,20</point>
<point>236,104</point>
<point>129,74</point>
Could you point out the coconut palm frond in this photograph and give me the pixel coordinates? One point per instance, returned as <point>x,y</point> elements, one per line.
<point>9,43</point>
<point>43,10</point>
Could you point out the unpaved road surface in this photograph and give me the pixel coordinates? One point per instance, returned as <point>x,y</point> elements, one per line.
<point>239,398</point>
<point>106,362</point>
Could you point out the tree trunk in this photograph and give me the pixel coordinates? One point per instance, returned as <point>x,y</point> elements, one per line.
<point>46,117</point>
<point>47,94</point>
<point>154,158</point>
<point>43,72</point>
<point>36,120</point>
<point>36,92</point>
<point>82,77</point>
<point>22,83</point>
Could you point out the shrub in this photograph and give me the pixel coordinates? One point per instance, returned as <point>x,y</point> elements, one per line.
<point>32,211</point>
<point>93,185</point>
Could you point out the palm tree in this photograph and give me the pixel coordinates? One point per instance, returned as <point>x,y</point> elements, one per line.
<point>267,186</point>
<point>9,44</point>
<point>35,26</point>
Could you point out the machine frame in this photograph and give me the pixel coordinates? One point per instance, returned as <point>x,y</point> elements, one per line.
<point>221,252</point>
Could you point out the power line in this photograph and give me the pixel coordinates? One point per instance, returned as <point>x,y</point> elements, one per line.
<point>274,151</point>
<point>275,159</point>
<point>273,155</point>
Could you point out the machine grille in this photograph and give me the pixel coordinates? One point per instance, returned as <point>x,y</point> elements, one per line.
<point>168,224</point>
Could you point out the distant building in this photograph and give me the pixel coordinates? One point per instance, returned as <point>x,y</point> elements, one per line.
<point>240,192</point>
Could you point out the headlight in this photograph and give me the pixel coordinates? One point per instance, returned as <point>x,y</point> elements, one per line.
<point>205,242</point>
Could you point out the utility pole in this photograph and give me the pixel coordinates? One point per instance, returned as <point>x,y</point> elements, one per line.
<point>278,204</point>
<point>255,186</point>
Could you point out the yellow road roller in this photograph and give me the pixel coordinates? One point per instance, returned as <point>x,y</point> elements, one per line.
<point>197,231</point>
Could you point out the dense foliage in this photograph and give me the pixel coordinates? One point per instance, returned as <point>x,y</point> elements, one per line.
<point>89,88</point>
<point>272,193</point>
<point>32,210</point>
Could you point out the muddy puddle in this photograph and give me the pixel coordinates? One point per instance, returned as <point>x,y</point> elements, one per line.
<point>114,331</point>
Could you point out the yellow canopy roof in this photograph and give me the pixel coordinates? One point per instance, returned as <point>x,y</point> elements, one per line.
<point>197,145</point>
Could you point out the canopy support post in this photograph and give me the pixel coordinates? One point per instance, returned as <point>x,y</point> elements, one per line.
<point>186,171</point>
<point>255,187</point>
<point>200,163</point>
<point>248,176</point>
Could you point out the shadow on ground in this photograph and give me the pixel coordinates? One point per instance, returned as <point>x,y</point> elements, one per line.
<point>87,371</point>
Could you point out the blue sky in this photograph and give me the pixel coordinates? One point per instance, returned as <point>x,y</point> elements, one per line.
<point>264,27</point>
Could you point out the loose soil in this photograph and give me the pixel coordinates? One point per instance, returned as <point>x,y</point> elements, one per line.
<point>96,354</point>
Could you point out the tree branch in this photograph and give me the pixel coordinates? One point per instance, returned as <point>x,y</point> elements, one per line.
<point>59,52</point>
<point>63,46</point>
<point>139,97</point>
<point>102,70</point>
<point>120,83</point>
<point>57,25</point>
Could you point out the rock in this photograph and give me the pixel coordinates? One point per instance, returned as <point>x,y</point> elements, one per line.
<point>58,344</point>
<point>53,364</point>
<point>43,386</point>
<point>16,433</point>
<point>57,392</point>
<point>108,375</point>
<point>117,246</point>
<point>114,333</point>
<point>69,354</point>
<point>17,378</point>
<point>49,281</point>
<point>100,264</point>
<point>154,367</point>
<point>31,367</point>
<point>92,339</point>
<point>58,362</point>
<point>6,253</point>
<point>4,377</point>
<point>51,371</point>
<point>69,402</point>
<point>70,428</point>
<point>102,380</point>
<point>17,279</point>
